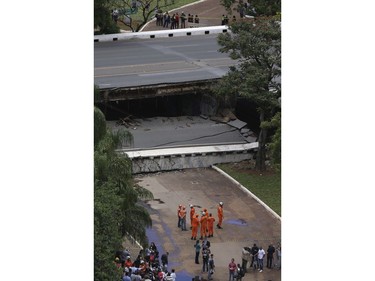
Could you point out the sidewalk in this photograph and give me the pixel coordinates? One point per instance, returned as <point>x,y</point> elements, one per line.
<point>209,12</point>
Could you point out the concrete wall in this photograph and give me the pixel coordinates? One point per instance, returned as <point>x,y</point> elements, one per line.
<point>162,33</point>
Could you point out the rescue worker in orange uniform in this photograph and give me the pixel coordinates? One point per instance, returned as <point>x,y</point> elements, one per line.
<point>192,212</point>
<point>210,225</point>
<point>220,214</point>
<point>182,215</point>
<point>178,216</point>
<point>203,223</point>
<point>195,225</point>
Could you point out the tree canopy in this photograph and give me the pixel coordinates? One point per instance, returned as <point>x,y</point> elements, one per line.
<point>257,47</point>
<point>116,209</point>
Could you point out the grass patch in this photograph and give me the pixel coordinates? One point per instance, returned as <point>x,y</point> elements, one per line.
<point>266,186</point>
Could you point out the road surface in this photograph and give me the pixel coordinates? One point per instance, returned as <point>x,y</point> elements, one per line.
<point>152,61</point>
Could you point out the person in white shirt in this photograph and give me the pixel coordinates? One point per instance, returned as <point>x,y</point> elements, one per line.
<point>261,254</point>
<point>173,275</point>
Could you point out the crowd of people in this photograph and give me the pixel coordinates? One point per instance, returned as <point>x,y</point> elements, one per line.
<point>255,256</point>
<point>175,21</point>
<point>147,266</point>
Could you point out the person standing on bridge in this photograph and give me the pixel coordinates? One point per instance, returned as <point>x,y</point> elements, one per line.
<point>220,214</point>
<point>183,19</point>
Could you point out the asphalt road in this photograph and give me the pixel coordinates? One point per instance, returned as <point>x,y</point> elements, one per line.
<point>152,61</point>
<point>245,221</point>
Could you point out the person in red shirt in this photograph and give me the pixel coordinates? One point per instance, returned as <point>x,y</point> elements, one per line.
<point>232,269</point>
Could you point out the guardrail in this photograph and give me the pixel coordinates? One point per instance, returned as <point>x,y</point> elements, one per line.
<point>162,33</point>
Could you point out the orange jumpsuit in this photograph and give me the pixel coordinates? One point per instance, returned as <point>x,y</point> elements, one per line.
<point>220,214</point>
<point>210,225</point>
<point>203,222</point>
<point>194,227</point>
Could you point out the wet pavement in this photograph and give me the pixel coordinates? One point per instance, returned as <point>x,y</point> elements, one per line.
<point>245,221</point>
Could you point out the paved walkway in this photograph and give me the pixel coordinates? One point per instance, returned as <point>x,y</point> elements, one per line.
<point>209,12</point>
<point>245,221</point>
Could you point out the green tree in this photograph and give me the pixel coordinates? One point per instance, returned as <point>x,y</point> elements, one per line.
<point>103,17</point>
<point>257,47</point>
<point>146,11</point>
<point>256,8</point>
<point>275,144</point>
<point>117,212</point>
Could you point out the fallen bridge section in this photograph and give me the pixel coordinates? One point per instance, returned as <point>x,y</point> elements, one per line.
<point>166,159</point>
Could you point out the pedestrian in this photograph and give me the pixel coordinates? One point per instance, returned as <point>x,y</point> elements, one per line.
<point>211,267</point>
<point>205,257</point>
<point>126,277</point>
<point>183,19</point>
<point>222,20</point>
<point>261,254</point>
<point>182,215</point>
<point>210,225</point>
<point>167,21</point>
<point>173,21</point>
<point>245,257</point>
<point>232,269</point>
<point>164,260</point>
<point>197,247</point>
<point>278,256</point>
<point>173,275</point>
<point>234,18</point>
<point>220,214</point>
<point>240,272</point>
<point>270,251</point>
<point>196,19</point>
<point>203,223</point>
<point>254,253</point>
<point>192,210</point>
<point>195,226</point>
<point>178,213</point>
<point>177,24</point>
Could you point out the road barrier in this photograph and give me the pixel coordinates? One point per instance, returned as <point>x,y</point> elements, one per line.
<point>162,33</point>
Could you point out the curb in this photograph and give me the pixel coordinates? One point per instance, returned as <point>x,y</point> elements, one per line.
<point>162,33</point>
<point>248,192</point>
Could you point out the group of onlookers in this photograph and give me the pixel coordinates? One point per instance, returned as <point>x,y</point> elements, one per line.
<point>174,21</point>
<point>146,266</point>
<point>255,255</point>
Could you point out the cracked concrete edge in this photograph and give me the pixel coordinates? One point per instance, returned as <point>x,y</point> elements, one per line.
<point>248,192</point>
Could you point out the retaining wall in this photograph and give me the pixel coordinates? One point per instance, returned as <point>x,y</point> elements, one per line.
<point>162,33</point>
